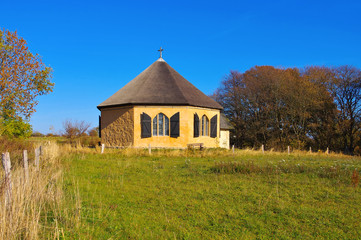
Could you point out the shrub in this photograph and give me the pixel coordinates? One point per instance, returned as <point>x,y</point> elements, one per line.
<point>15,146</point>
<point>94,132</point>
<point>355,179</point>
<point>52,135</point>
<point>74,129</point>
<point>88,141</point>
<point>357,151</point>
<point>37,134</point>
<point>15,128</point>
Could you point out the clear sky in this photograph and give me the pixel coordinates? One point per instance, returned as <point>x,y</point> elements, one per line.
<point>96,47</point>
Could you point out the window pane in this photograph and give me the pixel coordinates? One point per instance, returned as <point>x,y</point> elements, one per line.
<point>155,126</point>
<point>166,126</point>
<point>207,124</point>
<point>203,125</point>
<point>160,124</point>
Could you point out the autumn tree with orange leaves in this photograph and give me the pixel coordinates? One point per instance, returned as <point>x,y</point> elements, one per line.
<point>23,77</point>
<point>317,107</point>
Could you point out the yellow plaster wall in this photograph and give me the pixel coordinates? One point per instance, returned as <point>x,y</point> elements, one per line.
<point>117,126</point>
<point>186,117</point>
<point>224,139</point>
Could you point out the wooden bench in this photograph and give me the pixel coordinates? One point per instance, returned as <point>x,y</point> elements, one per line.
<point>193,145</point>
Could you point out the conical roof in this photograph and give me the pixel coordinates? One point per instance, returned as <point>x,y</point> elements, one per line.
<point>160,84</point>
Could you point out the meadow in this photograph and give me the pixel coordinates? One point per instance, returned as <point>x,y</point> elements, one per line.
<point>79,193</point>
<point>211,194</point>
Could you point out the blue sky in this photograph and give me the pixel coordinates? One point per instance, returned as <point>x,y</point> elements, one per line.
<point>96,47</point>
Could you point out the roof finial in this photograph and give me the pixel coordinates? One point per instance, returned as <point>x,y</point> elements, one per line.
<point>160,51</point>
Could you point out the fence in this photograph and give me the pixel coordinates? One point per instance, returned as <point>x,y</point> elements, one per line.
<point>7,184</point>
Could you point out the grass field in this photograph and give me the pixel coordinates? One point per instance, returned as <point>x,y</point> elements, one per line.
<point>211,195</point>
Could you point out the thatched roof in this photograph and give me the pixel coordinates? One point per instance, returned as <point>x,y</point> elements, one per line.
<point>160,84</point>
<point>225,124</point>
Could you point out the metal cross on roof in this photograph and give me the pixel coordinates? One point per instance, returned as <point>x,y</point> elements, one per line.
<point>160,51</point>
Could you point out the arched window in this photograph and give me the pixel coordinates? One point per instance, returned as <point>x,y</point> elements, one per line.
<point>161,125</point>
<point>205,126</point>
<point>196,126</point>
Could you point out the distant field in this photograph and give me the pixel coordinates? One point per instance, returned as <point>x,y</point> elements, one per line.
<point>211,195</point>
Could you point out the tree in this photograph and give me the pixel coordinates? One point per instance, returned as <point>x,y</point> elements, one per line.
<point>273,106</point>
<point>346,90</point>
<point>265,106</point>
<point>23,77</point>
<point>231,96</point>
<point>306,101</point>
<point>15,128</point>
<point>324,119</point>
<point>94,132</point>
<point>74,129</point>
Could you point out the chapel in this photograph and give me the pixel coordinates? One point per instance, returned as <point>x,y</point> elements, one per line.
<point>162,109</point>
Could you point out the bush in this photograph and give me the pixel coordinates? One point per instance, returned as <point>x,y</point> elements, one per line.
<point>75,129</point>
<point>94,132</point>
<point>37,134</point>
<point>15,128</point>
<point>357,151</point>
<point>15,147</point>
<point>88,141</point>
<point>84,141</point>
<point>52,135</point>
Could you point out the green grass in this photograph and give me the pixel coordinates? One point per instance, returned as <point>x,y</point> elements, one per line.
<point>167,197</point>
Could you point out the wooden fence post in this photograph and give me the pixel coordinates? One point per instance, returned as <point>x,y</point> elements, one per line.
<point>103,146</point>
<point>262,148</point>
<point>310,149</point>
<point>327,151</point>
<point>37,158</point>
<point>8,186</point>
<point>288,150</point>
<point>233,148</point>
<point>150,149</point>
<point>26,165</point>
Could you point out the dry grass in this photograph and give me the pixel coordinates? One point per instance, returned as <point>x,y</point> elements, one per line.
<point>34,203</point>
<point>39,209</point>
<point>207,152</point>
<point>250,167</point>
